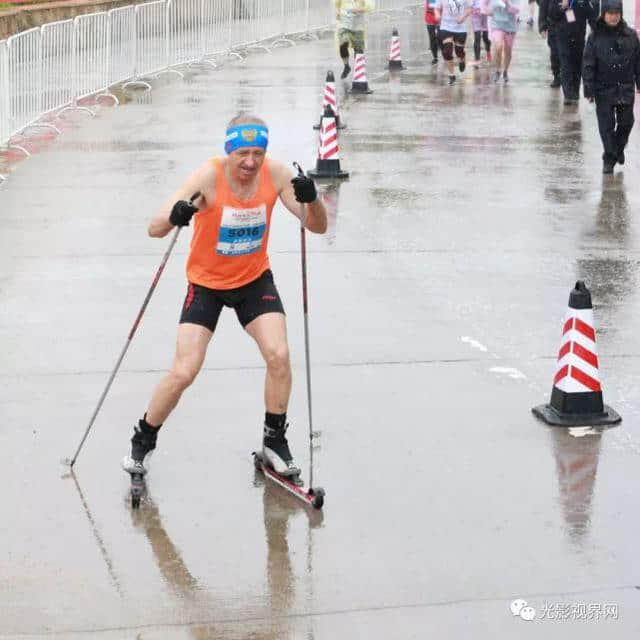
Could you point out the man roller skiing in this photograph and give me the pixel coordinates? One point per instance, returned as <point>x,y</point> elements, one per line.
<point>228,266</point>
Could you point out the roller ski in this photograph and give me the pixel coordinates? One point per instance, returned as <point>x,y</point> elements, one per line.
<point>276,463</point>
<point>313,496</point>
<point>135,463</point>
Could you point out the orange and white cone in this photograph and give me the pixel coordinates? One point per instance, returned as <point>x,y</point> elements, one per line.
<point>359,83</point>
<point>331,99</point>
<point>328,161</point>
<point>395,58</point>
<point>576,397</point>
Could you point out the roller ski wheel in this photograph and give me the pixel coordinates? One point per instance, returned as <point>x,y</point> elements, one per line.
<point>311,496</point>
<point>138,489</point>
<point>318,497</point>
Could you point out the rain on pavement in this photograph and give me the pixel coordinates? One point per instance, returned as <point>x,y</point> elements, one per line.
<point>436,302</point>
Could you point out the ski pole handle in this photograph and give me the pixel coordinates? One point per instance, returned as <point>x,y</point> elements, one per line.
<point>303,209</point>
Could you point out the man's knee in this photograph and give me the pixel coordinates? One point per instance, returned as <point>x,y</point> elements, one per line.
<point>447,50</point>
<point>277,359</point>
<point>459,50</point>
<point>183,374</point>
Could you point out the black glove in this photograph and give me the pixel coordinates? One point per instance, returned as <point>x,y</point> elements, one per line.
<point>305,188</point>
<point>182,213</point>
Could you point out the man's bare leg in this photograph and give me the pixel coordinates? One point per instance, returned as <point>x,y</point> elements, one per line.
<point>270,333</point>
<point>191,349</point>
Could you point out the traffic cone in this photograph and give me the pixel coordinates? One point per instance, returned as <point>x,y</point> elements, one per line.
<point>328,162</point>
<point>576,397</point>
<point>360,84</point>
<point>330,98</point>
<point>395,59</point>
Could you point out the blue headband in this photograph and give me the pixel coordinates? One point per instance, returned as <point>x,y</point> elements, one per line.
<point>246,135</point>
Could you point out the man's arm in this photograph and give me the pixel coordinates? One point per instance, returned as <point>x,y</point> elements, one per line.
<point>315,212</point>
<point>202,180</point>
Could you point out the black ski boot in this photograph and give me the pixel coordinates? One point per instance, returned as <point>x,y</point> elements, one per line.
<point>275,450</point>
<point>143,443</point>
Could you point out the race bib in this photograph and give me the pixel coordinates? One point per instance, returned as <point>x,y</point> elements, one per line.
<point>241,231</point>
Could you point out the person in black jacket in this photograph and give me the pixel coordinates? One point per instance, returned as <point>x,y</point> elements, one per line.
<point>547,28</point>
<point>570,18</point>
<point>611,75</point>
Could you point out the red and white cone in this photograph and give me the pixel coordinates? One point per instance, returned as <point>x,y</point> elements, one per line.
<point>359,83</point>
<point>330,99</point>
<point>395,59</point>
<point>328,161</point>
<point>576,397</point>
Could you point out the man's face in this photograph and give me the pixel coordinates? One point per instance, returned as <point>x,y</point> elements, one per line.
<point>612,18</point>
<point>245,163</point>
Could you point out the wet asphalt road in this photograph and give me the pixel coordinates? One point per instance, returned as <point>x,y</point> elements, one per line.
<point>436,302</point>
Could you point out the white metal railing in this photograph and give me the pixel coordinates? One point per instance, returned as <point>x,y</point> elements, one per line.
<point>5,129</point>
<point>122,45</point>
<point>57,60</point>
<point>49,69</point>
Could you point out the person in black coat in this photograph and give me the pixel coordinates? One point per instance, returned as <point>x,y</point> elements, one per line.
<point>611,74</point>
<point>570,18</point>
<point>547,28</point>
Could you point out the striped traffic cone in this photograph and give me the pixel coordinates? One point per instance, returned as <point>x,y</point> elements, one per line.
<point>360,84</point>
<point>395,59</point>
<point>330,98</point>
<point>576,397</point>
<point>328,162</point>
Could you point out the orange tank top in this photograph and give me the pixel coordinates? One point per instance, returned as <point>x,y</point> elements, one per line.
<point>229,244</point>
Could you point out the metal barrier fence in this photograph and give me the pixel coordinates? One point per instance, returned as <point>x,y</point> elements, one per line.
<point>5,130</point>
<point>49,69</point>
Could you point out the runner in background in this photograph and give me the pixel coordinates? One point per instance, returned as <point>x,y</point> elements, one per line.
<point>453,15</point>
<point>351,22</point>
<point>433,29</point>
<point>547,23</point>
<point>502,29</point>
<point>480,25</point>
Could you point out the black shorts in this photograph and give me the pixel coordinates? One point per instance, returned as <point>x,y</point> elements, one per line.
<point>203,306</point>
<point>458,38</point>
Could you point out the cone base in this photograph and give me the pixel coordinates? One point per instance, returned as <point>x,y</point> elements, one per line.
<point>395,65</point>
<point>360,87</point>
<point>548,414</point>
<point>319,174</point>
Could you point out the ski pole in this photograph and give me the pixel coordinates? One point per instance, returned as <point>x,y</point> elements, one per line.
<point>130,336</point>
<point>305,309</point>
